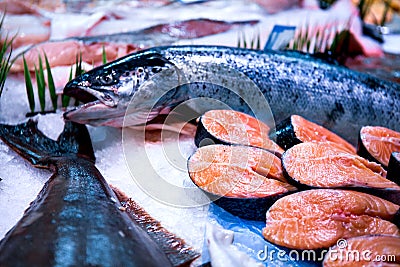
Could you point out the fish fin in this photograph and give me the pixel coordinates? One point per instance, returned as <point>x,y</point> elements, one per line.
<point>178,127</point>
<point>180,120</point>
<point>324,58</point>
<point>75,139</point>
<point>30,143</point>
<point>178,252</point>
<point>327,57</point>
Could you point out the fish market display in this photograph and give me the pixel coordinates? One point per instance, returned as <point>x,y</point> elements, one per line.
<point>318,218</point>
<point>296,129</point>
<point>76,220</point>
<point>378,143</point>
<point>243,180</point>
<point>232,127</point>
<point>332,96</point>
<point>321,165</point>
<point>368,250</point>
<point>175,61</point>
<point>393,173</point>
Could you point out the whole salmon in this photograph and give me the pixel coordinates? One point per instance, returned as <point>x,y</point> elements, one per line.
<point>134,89</point>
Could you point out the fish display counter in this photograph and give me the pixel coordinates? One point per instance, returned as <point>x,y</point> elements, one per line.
<point>199,133</point>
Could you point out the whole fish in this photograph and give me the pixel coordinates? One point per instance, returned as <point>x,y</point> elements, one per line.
<point>167,32</point>
<point>76,219</point>
<point>63,52</point>
<point>134,89</point>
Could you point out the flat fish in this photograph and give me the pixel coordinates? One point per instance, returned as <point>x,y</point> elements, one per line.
<point>318,218</point>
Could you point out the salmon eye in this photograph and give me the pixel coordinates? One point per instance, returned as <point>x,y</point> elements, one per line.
<point>140,70</point>
<point>106,79</point>
<point>156,69</point>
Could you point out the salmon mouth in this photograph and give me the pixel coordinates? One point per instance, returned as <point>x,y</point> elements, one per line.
<point>79,94</point>
<point>93,111</point>
<point>86,113</point>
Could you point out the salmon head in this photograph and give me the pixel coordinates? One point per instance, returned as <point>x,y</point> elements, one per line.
<point>108,90</point>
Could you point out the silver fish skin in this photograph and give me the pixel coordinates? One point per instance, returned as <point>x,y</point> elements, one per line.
<point>134,89</point>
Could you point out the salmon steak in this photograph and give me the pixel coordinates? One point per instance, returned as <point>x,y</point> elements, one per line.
<point>237,171</point>
<point>321,165</point>
<point>233,127</point>
<point>296,129</point>
<point>377,143</point>
<point>318,218</point>
<point>243,180</point>
<point>369,250</point>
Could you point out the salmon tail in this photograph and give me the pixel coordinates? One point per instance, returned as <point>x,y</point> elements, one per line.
<point>30,143</point>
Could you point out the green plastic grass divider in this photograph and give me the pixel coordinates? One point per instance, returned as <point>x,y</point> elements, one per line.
<point>64,98</point>
<point>50,84</point>
<point>255,42</point>
<point>28,86</point>
<point>6,61</point>
<point>41,86</point>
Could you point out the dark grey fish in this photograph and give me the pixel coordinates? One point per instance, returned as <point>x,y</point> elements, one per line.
<point>76,220</point>
<point>134,89</point>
